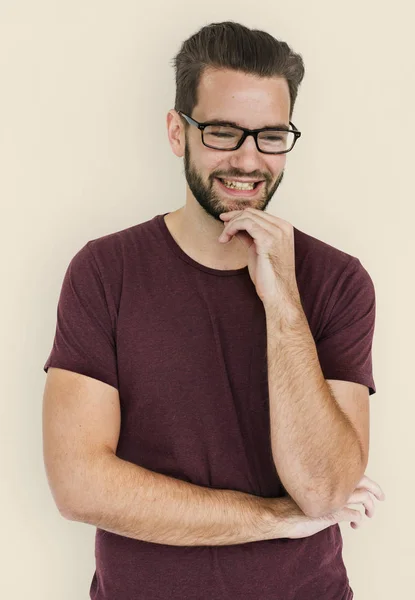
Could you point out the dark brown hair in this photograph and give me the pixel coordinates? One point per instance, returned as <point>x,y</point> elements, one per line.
<point>230,45</point>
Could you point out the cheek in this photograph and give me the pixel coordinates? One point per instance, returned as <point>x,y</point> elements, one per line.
<point>214,164</point>
<point>279,165</point>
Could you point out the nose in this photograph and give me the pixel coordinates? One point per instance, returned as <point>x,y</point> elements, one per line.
<point>247,158</point>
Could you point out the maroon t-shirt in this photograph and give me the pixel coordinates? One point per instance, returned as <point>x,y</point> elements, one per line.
<point>185,346</point>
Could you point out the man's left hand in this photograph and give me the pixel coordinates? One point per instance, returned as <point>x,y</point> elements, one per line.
<point>271,259</point>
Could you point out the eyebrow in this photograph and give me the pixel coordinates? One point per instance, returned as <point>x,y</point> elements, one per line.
<point>233,124</point>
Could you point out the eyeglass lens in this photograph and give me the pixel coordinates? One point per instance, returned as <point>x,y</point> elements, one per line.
<point>226,138</point>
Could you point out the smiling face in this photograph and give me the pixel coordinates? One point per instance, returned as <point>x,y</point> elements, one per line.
<point>251,102</point>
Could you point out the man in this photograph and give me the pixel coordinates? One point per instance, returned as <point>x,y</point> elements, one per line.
<point>207,398</point>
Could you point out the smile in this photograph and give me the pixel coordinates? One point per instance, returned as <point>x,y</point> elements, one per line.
<point>233,191</point>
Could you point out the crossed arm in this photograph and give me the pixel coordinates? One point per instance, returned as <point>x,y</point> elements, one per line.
<point>319,427</point>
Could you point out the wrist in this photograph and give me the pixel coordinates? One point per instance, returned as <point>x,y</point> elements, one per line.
<point>277,517</point>
<point>287,315</point>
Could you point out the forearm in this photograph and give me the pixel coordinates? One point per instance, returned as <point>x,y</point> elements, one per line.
<point>128,500</point>
<point>315,449</point>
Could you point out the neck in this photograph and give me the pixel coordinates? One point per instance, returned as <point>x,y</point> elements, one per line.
<point>197,234</point>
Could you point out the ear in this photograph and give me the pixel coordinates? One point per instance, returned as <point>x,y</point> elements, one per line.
<point>175,132</point>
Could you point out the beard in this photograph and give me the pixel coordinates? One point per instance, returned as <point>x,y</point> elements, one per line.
<point>210,201</point>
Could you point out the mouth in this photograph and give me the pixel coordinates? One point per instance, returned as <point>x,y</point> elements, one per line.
<point>258,185</point>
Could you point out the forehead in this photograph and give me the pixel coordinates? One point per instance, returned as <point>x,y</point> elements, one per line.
<point>249,100</point>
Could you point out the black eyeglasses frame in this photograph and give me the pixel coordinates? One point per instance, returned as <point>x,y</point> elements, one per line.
<point>246,133</point>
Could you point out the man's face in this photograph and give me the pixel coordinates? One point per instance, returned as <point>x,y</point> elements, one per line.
<point>250,102</point>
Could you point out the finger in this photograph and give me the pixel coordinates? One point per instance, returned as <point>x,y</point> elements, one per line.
<point>354,516</point>
<point>369,506</point>
<point>372,486</point>
<point>252,224</point>
<point>363,497</point>
<point>243,237</point>
<point>229,214</point>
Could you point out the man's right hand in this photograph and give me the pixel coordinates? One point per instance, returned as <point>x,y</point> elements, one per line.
<point>300,525</point>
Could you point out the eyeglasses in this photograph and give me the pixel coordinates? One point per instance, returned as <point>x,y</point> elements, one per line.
<point>223,136</point>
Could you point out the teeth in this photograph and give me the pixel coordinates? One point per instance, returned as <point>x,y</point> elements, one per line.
<point>238,185</point>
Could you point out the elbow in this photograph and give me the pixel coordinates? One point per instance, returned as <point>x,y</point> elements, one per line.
<point>76,510</point>
<point>67,514</point>
<point>71,510</point>
<point>67,501</point>
<point>72,513</point>
<point>333,499</point>
<point>317,509</point>
<point>325,509</point>
<point>60,497</point>
<point>72,499</point>
<point>74,487</point>
<point>320,503</point>
<point>321,506</point>
<point>312,505</point>
<point>67,509</point>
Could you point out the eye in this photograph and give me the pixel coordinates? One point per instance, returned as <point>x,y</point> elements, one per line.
<point>272,138</point>
<point>223,135</point>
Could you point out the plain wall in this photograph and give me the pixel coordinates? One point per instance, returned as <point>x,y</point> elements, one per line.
<point>85,87</point>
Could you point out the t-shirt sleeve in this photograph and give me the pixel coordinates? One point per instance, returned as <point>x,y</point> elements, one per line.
<point>84,338</point>
<point>345,345</point>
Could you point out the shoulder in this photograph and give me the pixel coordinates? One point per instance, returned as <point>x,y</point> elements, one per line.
<point>103,264</point>
<point>328,277</point>
<point>112,251</point>
<point>315,251</point>
<point>324,262</point>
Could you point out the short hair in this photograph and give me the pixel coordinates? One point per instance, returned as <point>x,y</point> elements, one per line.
<point>230,45</point>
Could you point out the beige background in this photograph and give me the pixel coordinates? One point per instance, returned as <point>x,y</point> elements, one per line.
<point>85,89</point>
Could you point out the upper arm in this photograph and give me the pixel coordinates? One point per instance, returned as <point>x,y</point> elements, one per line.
<point>81,419</point>
<point>353,399</point>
